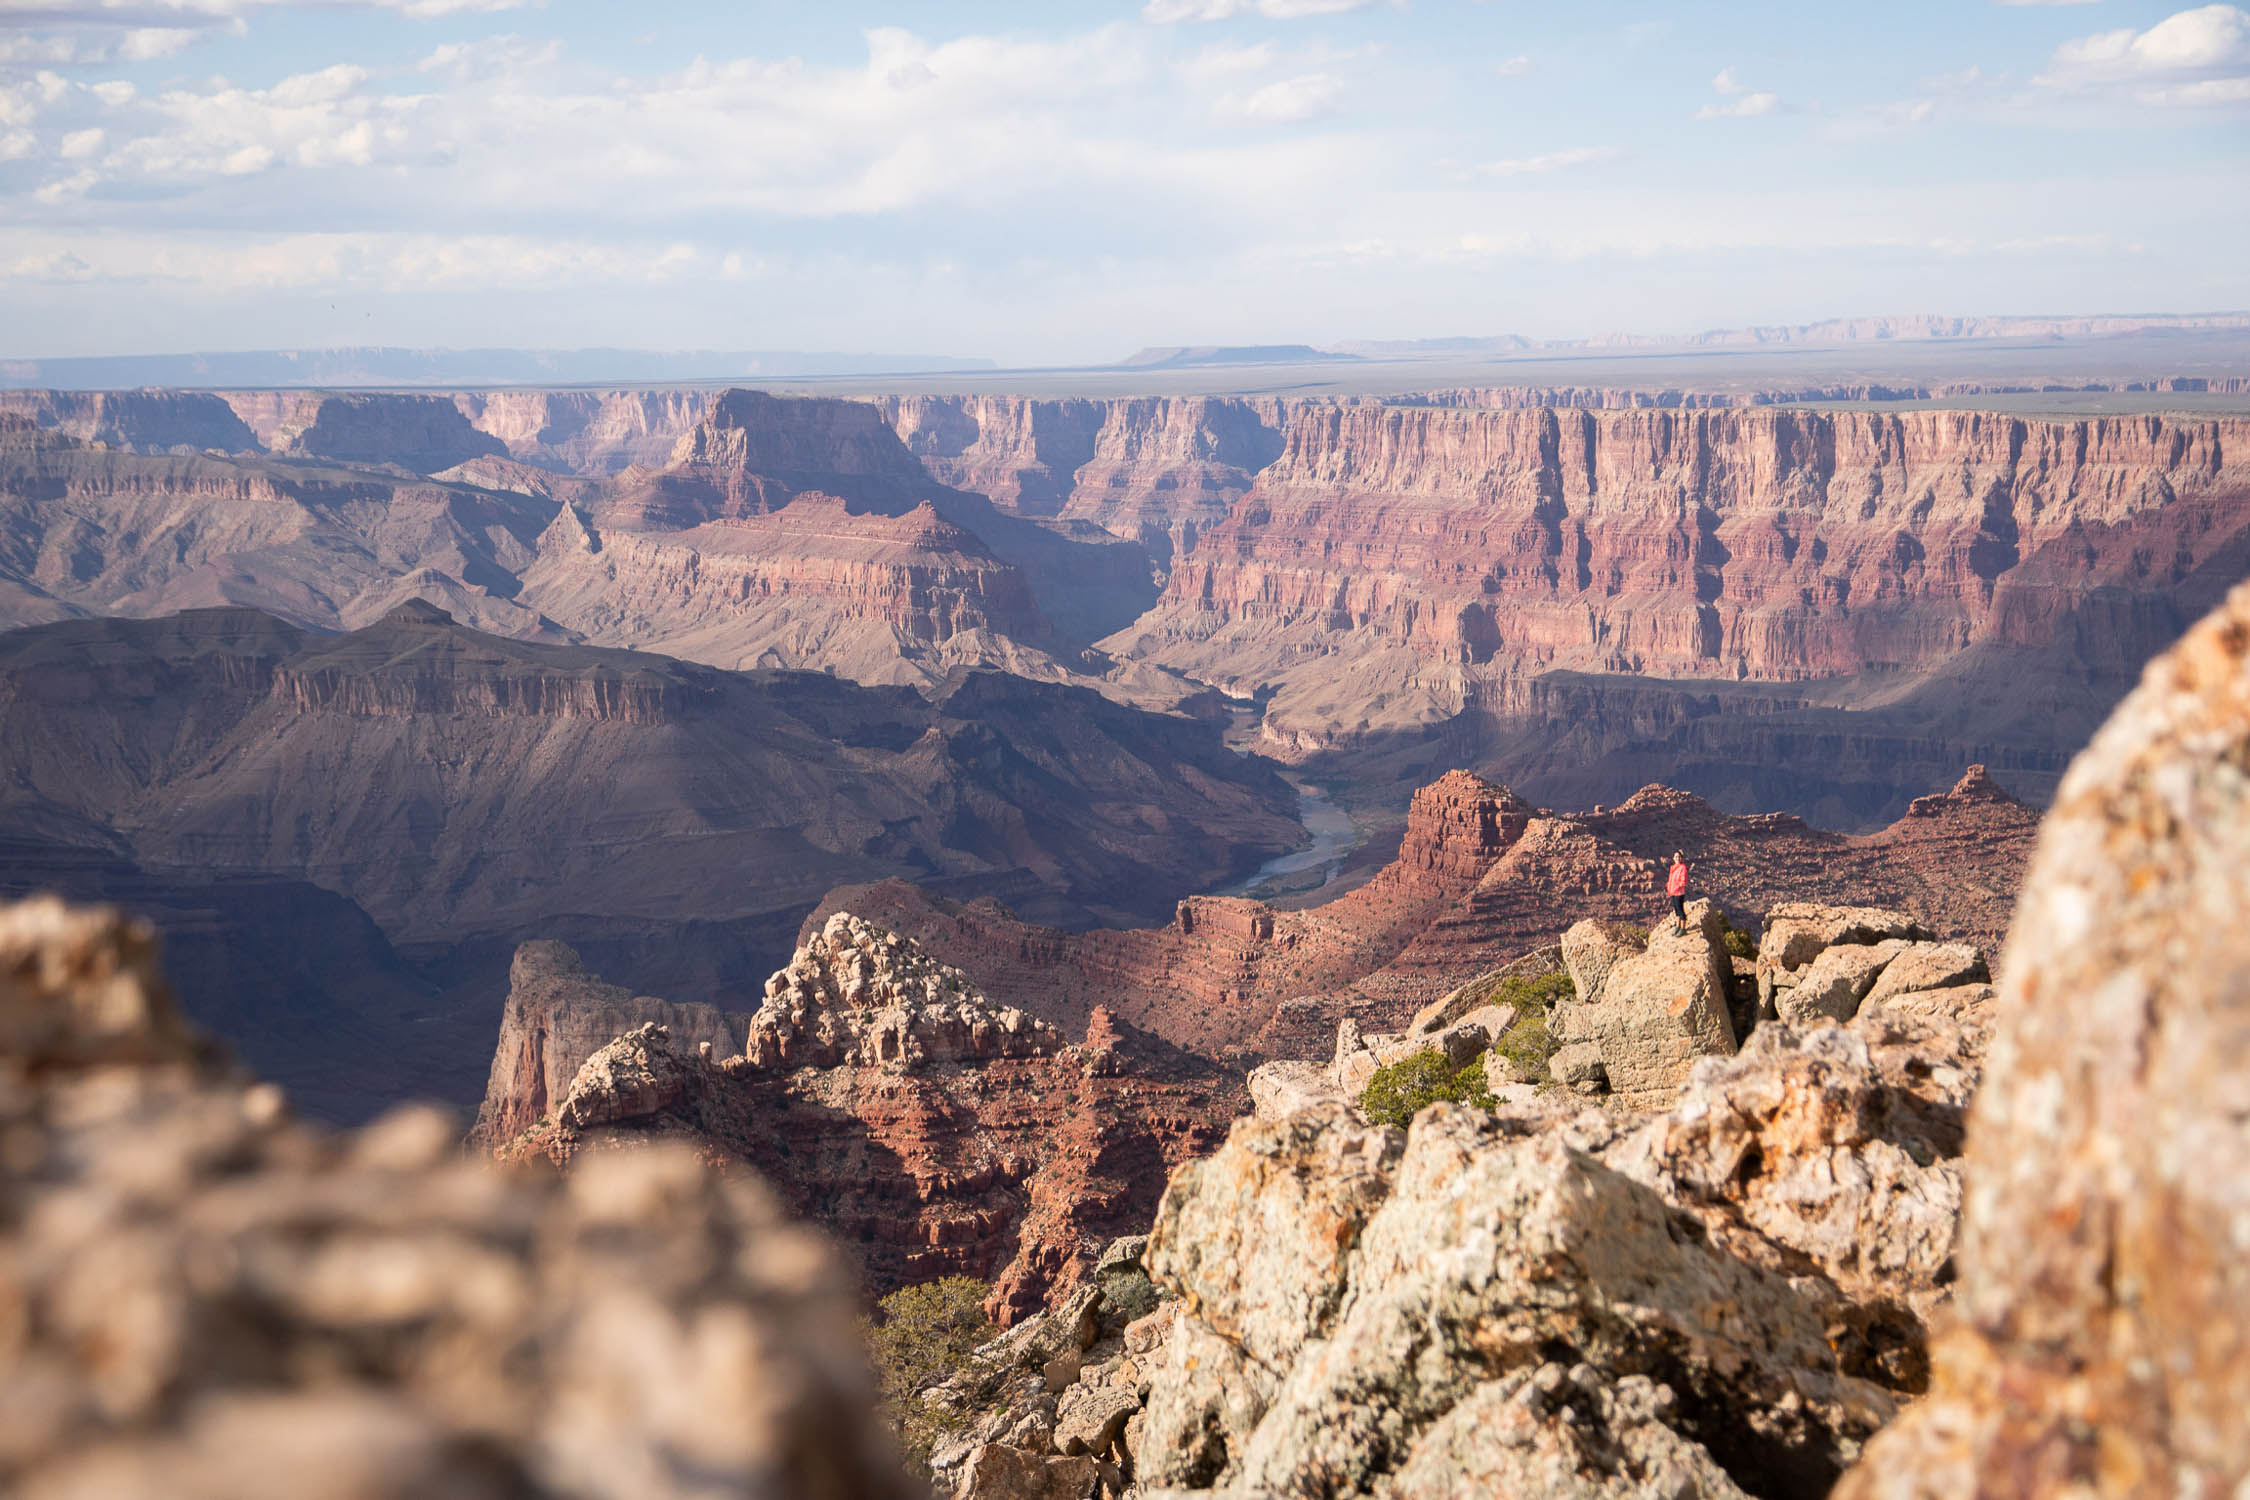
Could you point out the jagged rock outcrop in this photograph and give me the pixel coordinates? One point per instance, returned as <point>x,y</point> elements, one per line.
<point>858,996</point>
<point>1480,879</point>
<point>1722,1299</point>
<point>2100,1346</point>
<point>208,1300</point>
<point>558,1014</point>
<point>932,1131</point>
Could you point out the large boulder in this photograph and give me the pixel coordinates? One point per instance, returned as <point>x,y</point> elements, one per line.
<point>2102,1345</point>
<point>1591,949</point>
<point>1662,1008</point>
<point>1832,985</point>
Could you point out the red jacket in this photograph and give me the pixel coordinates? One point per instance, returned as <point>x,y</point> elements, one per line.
<point>1677,885</point>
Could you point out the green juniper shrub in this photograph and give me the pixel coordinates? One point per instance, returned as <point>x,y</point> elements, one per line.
<point>1399,1090</point>
<point>1527,1047</point>
<point>920,1335</point>
<point>1739,943</point>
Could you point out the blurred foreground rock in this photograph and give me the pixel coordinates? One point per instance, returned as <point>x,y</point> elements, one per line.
<point>201,1299</point>
<point>2103,1345</point>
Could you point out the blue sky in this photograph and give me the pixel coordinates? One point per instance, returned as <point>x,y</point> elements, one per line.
<point>1065,182</point>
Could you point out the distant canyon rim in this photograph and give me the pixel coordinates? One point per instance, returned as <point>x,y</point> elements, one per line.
<point>388,683</point>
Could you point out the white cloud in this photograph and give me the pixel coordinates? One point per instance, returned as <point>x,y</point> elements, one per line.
<point>1748,103</point>
<point>1552,161</point>
<point>1172,12</point>
<point>80,144</point>
<point>1749,106</point>
<point>1226,62</point>
<point>2193,56</point>
<point>15,145</point>
<point>102,45</point>
<point>1514,67</point>
<point>1288,102</point>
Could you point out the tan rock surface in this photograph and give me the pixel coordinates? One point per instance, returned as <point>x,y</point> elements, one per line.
<point>1664,1007</point>
<point>2102,1346</point>
<point>210,1302</point>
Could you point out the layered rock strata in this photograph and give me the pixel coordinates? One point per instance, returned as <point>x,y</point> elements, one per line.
<point>1946,575</point>
<point>932,1131</point>
<point>1159,470</point>
<point>209,1300</point>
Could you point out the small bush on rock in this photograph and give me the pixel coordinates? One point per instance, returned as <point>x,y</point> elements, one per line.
<point>1399,1091</point>
<point>1739,943</point>
<point>918,1336</point>
<point>1527,1047</point>
<point>1532,997</point>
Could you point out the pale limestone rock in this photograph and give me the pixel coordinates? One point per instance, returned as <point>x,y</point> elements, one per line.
<point>636,1075</point>
<point>1930,966</point>
<point>1489,1251</point>
<point>1089,1418</point>
<point>1544,1434</point>
<point>1591,949</point>
<point>1663,1008</point>
<point>1797,931</point>
<point>2101,1347</point>
<point>1833,984</point>
<point>1289,1087</point>
<point>857,994</point>
<point>1579,1067</point>
<point>1258,1237</point>
<point>999,1472</point>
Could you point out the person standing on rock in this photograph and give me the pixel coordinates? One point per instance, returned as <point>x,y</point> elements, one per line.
<point>1675,886</point>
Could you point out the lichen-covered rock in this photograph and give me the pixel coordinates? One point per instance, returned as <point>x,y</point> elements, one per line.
<point>1561,1434</point>
<point>858,994</point>
<point>2102,1346</point>
<point>1487,1254</point>
<point>1258,1237</point>
<point>1001,1472</point>
<point>205,1300</point>
<point>1835,1146</point>
<point>1663,1008</point>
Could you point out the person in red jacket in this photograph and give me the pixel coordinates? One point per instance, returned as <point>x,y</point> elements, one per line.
<point>1675,886</point>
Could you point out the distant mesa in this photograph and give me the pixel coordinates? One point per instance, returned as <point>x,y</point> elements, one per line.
<point>1231,354</point>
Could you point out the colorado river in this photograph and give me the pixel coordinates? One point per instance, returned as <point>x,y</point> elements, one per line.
<point>1333,837</point>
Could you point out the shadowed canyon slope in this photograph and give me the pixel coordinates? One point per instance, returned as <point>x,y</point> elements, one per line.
<point>470,791</point>
<point>1481,877</point>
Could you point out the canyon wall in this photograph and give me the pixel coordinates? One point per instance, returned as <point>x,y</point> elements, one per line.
<point>1398,567</point>
<point>1157,470</point>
